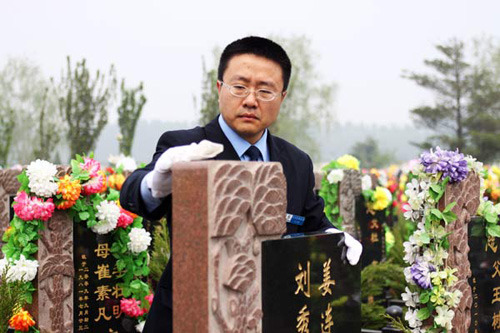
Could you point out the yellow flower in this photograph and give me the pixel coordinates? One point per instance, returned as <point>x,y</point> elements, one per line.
<point>21,321</point>
<point>382,198</point>
<point>437,296</point>
<point>496,170</point>
<point>349,162</point>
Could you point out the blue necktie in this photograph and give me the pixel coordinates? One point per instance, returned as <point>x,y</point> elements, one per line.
<point>253,153</point>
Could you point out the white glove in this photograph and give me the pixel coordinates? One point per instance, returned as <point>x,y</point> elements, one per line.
<point>160,179</point>
<point>354,248</point>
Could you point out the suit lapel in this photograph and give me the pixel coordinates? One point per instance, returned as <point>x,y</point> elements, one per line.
<point>214,133</point>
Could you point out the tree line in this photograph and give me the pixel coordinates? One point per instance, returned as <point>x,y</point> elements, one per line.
<point>39,117</point>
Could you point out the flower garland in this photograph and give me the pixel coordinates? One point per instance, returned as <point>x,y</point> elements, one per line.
<point>333,175</point>
<point>90,196</point>
<point>430,295</point>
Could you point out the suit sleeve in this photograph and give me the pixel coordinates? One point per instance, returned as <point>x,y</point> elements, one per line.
<point>313,211</point>
<point>130,194</point>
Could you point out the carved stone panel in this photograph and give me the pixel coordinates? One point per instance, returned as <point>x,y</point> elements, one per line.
<point>349,189</point>
<point>54,296</point>
<point>8,187</point>
<point>222,211</point>
<point>466,195</point>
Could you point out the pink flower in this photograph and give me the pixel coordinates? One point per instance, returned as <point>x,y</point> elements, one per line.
<point>33,208</point>
<point>130,307</point>
<point>94,185</point>
<point>91,165</point>
<point>124,220</point>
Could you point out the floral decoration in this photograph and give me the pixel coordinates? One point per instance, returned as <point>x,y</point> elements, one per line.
<point>88,199</point>
<point>333,175</point>
<point>430,295</point>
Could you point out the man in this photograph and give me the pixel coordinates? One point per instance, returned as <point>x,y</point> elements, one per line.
<point>253,76</point>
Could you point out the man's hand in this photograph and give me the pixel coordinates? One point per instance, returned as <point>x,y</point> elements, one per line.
<point>160,179</point>
<point>354,248</point>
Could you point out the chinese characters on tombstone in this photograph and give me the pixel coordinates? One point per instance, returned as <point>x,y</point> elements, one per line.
<point>307,288</point>
<point>97,305</point>
<point>484,257</point>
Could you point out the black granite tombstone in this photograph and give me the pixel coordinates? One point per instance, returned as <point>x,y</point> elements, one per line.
<point>307,287</point>
<point>372,233</point>
<point>96,293</point>
<point>484,257</point>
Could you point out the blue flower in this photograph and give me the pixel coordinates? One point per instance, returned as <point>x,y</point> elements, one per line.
<point>451,163</point>
<point>421,274</point>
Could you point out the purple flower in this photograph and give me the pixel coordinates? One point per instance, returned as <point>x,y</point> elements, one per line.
<point>421,274</point>
<point>450,163</point>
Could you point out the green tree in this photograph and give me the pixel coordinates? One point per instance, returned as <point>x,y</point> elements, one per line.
<point>209,95</point>
<point>483,122</point>
<point>307,106</point>
<point>83,103</point>
<point>27,104</point>
<point>7,118</point>
<point>370,155</point>
<point>466,112</point>
<point>451,86</point>
<point>129,111</point>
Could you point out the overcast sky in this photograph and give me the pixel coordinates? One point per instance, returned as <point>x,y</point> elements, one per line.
<point>362,45</point>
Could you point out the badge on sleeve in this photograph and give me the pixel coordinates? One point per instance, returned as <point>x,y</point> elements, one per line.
<point>295,219</point>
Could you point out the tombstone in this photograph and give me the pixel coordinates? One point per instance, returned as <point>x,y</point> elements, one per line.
<point>484,258</point>
<point>8,189</point>
<point>306,286</point>
<point>349,190</point>
<point>67,262</point>
<point>223,211</point>
<point>466,195</point>
<point>372,233</point>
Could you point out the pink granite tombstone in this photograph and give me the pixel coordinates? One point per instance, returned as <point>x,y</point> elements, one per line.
<point>222,211</point>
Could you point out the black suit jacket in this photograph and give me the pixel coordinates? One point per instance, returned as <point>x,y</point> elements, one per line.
<point>301,199</point>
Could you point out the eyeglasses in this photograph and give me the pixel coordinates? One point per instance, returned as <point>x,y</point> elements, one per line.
<point>241,91</point>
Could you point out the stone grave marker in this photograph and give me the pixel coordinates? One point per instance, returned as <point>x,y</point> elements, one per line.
<point>307,288</point>
<point>484,258</point>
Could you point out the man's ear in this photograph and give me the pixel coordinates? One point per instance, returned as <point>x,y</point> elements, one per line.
<point>219,86</point>
<point>283,95</point>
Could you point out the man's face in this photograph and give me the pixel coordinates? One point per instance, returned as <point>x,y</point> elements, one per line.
<point>248,116</point>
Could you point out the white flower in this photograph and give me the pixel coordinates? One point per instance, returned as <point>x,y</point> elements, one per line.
<point>473,164</point>
<point>107,214</point>
<point>408,275</point>
<point>139,327</point>
<point>366,182</point>
<point>140,239</point>
<point>41,178</point>
<point>411,318</point>
<point>453,298</point>
<point>382,179</point>
<point>444,317</point>
<point>410,250</point>
<point>410,299</point>
<point>126,162</point>
<point>335,176</point>
<point>23,269</point>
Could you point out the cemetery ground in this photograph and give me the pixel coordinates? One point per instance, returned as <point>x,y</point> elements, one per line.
<point>73,260</point>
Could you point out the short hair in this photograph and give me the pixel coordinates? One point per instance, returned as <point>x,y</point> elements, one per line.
<point>258,46</point>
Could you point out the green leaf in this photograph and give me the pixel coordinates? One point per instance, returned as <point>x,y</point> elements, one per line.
<point>84,216</point>
<point>493,230</point>
<point>449,207</point>
<point>436,213</point>
<point>423,313</point>
<point>113,195</point>
<point>425,238</point>
<point>424,297</point>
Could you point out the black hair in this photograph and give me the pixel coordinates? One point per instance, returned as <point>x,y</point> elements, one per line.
<point>258,46</point>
